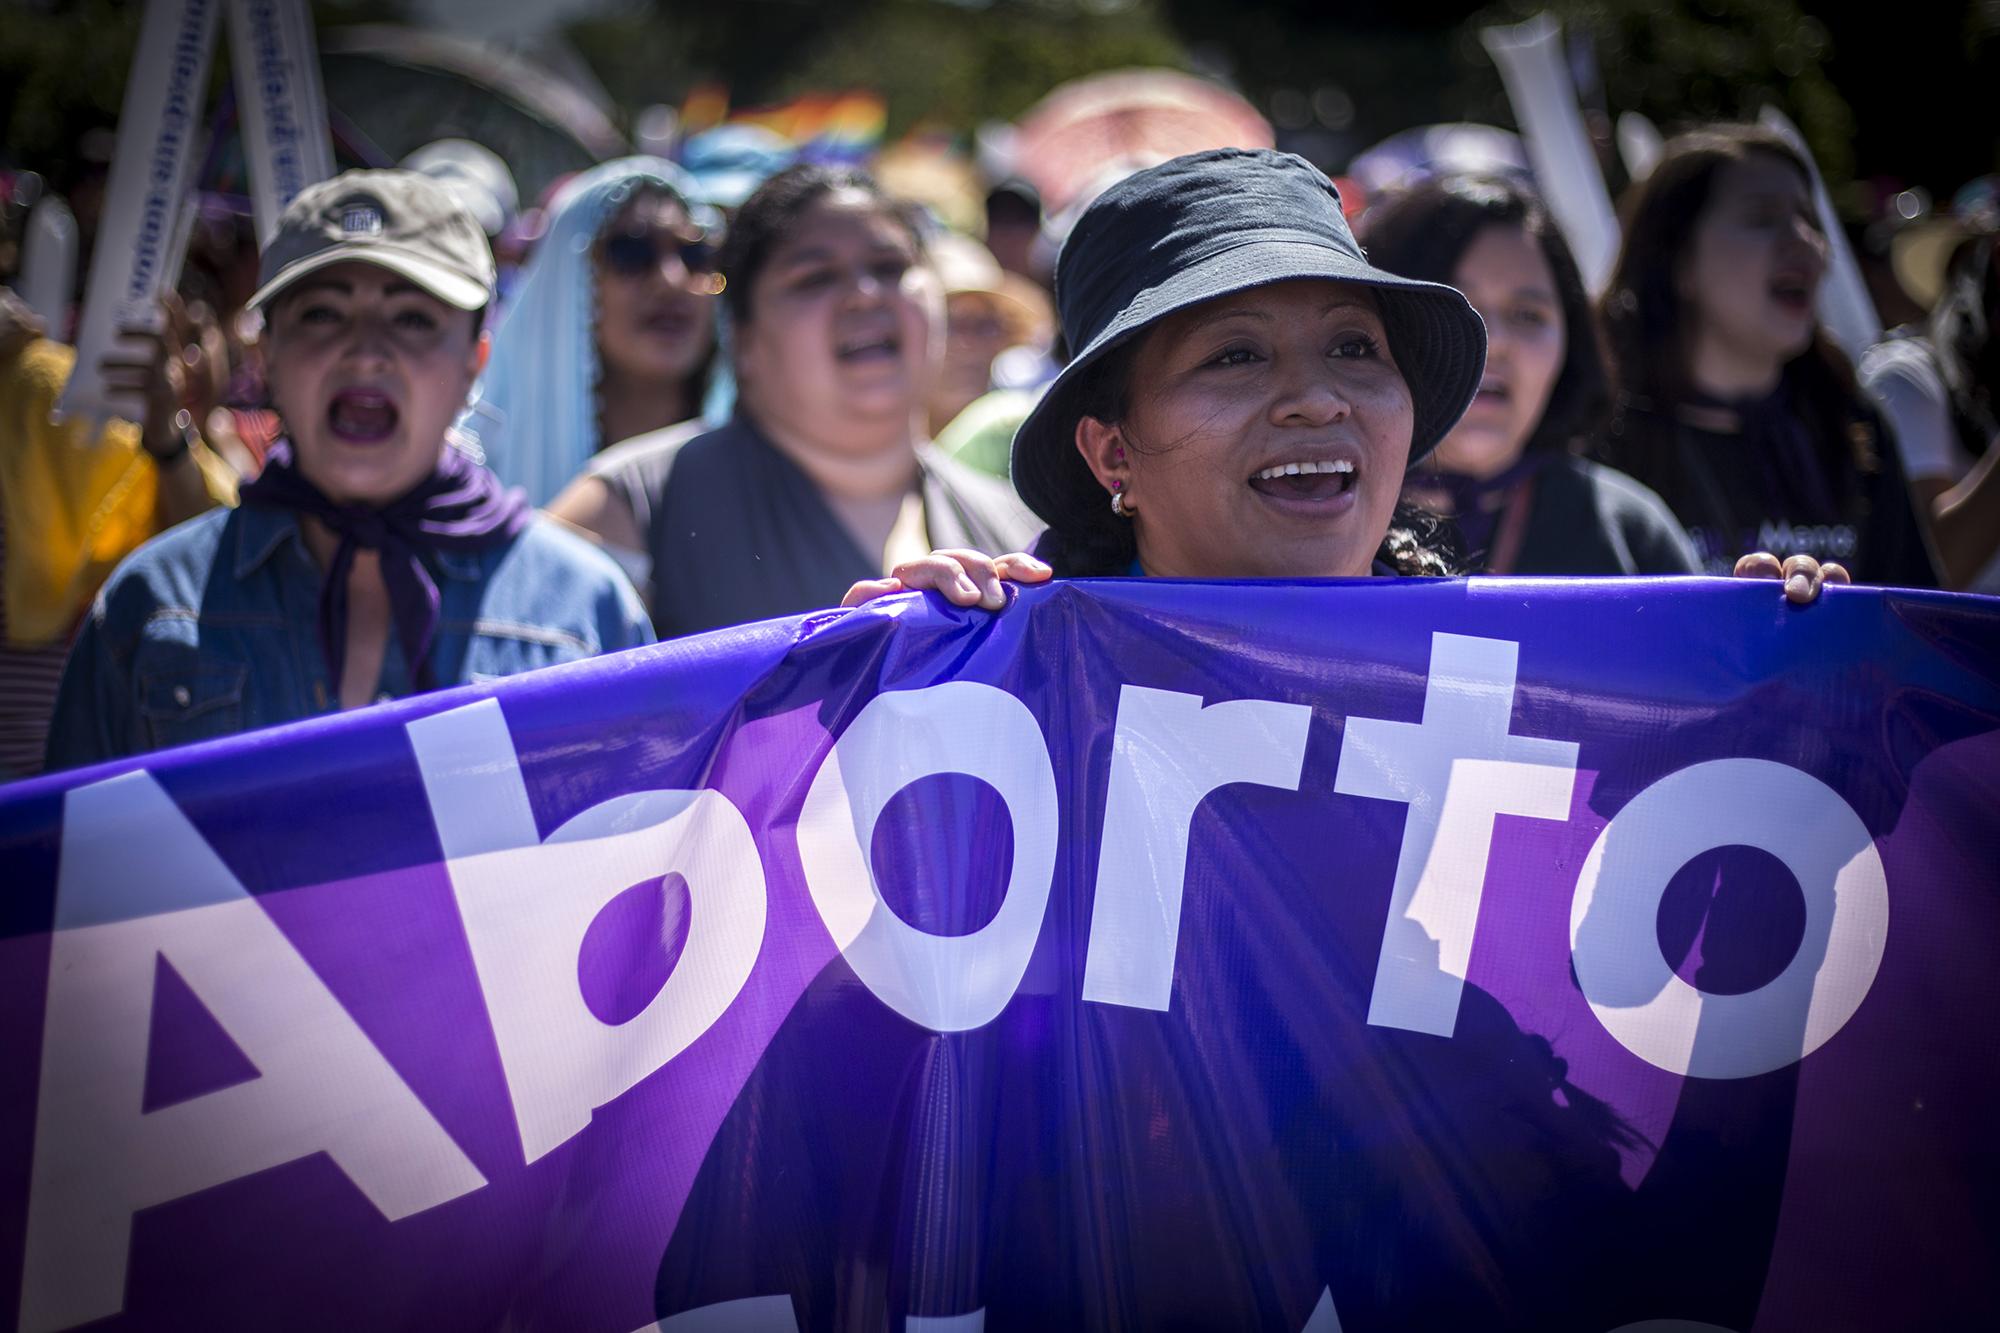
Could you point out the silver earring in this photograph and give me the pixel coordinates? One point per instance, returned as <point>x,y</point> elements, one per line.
<point>1118,505</point>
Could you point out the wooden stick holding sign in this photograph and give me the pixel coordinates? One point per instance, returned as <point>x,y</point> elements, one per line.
<point>136,257</point>
<point>282,104</point>
<point>1529,58</point>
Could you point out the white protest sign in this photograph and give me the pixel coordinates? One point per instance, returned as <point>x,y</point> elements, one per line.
<point>137,256</point>
<point>1529,57</point>
<point>1639,144</point>
<point>48,264</point>
<point>1845,307</point>
<point>280,102</point>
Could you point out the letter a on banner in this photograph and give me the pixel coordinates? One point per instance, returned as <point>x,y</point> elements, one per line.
<point>140,887</point>
<point>137,254</point>
<point>282,105</point>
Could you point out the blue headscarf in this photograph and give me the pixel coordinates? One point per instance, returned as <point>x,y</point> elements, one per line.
<point>534,411</point>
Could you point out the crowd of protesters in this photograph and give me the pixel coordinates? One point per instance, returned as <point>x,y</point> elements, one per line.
<point>741,386</point>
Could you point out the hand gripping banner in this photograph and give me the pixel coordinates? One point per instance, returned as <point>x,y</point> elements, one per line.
<point>1493,954</point>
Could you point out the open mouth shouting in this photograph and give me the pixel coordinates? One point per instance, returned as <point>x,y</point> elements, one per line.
<point>1793,293</point>
<point>362,416</point>
<point>669,323</point>
<point>1493,392</point>
<point>1312,486</point>
<point>869,348</point>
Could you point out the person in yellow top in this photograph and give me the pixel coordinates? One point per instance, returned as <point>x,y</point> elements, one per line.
<point>72,506</point>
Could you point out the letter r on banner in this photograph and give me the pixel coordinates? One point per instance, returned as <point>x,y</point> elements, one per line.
<point>527,905</point>
<point>1167,755</point>
<point>1456,770</point>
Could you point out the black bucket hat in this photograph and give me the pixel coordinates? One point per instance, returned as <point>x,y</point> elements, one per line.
<point>1203,226</point>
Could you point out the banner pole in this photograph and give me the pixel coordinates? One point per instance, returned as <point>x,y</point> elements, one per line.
<point>1845,307</point>
<point>1566,169</point>
<point>281,104</point>
<point>134,260</point>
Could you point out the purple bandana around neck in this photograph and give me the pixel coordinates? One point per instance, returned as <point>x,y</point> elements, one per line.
<point>460,507</point>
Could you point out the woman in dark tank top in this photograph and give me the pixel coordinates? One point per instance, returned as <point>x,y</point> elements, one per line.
<point>824,476</point>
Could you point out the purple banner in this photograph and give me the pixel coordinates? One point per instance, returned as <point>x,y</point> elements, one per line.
<point>1443,954</point>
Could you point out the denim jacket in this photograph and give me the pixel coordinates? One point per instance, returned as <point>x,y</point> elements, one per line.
<point>213,628</point>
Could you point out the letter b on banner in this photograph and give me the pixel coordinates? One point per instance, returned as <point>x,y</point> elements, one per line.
<point>946,983</point>
<point>528,904</point>
<point>1614,933</point>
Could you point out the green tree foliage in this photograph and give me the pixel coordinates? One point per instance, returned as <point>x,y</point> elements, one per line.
<point>1694,60</point>
<point>62,71</point>
<point>946,62</point>
<point>63,65</point>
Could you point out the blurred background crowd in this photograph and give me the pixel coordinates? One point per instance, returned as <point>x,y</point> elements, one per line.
<point>637,164</point>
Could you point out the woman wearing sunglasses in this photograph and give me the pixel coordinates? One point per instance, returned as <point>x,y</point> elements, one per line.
<point>824,476</point>
<point>611,330</point>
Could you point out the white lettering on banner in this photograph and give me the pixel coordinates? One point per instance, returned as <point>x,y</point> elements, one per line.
<point>1456,770</point>
<point>945,983</point>
<point>1167,755</point>
<point>1614,935</point>
<point>323,1087</point>
<point>1324,1318</point>
<point>527,905</point>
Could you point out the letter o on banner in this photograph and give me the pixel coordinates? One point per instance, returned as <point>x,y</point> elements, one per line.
<point>1613,930</point>
<point>948,983</point>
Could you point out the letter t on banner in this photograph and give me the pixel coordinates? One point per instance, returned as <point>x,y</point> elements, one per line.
<point>1457,770</point>
<point>283,108</point>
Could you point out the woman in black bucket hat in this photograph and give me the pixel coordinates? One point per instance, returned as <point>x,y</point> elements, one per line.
<point>1246,394</point>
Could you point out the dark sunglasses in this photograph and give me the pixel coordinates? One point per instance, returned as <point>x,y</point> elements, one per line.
<point>631,256</point>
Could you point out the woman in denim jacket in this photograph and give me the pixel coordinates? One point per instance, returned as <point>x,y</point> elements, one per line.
<point>371,559</point>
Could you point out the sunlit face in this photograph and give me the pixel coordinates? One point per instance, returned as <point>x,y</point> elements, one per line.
<point>1266,436</point>
<point>368,371</point>
<point>976,331</point>
<point>655,278</point>
<point>845,327</point>
<point>1507,278</point>
<point>1754,268</point>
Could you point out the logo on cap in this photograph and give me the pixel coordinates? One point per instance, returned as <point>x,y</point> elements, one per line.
<point>361,220</point>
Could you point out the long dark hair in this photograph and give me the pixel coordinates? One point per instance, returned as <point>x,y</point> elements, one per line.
<point>1417,543</point>
<point>768,216</point>
<point>1425,231</point>
<point>1648,328</point>
<point>1966,343</point>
